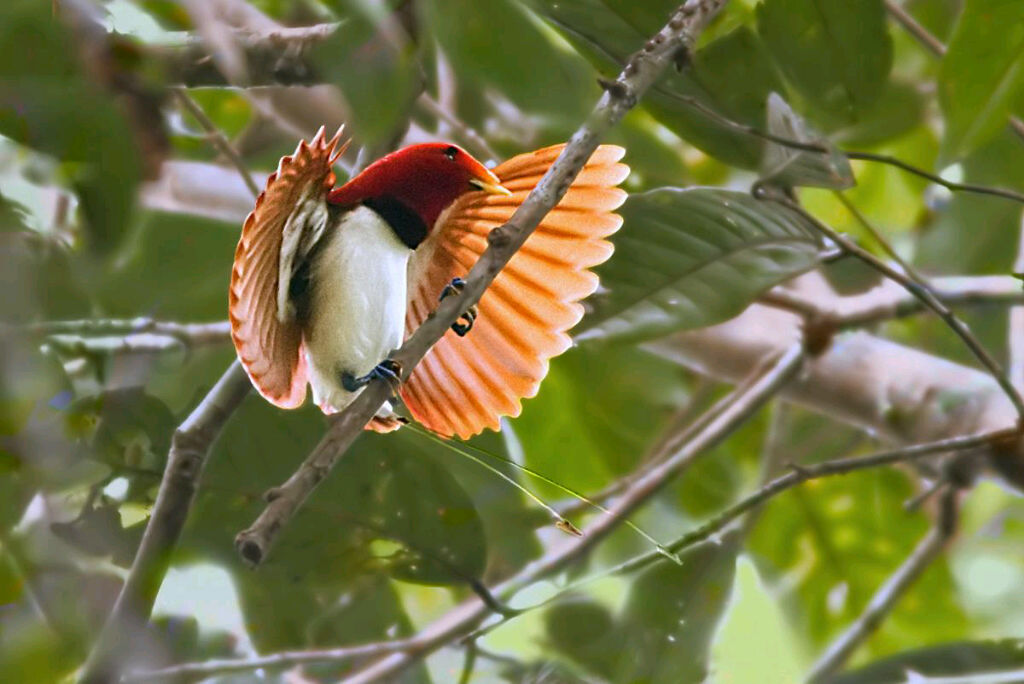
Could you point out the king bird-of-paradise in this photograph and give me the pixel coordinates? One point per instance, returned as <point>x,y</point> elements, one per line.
<point>328,281</point>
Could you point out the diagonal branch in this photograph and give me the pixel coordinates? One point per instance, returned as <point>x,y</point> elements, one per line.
<point>885,599</point>
<point>916,287</point>
<point>742,403</point>
<point>620,96</point>
<point>190,446</point>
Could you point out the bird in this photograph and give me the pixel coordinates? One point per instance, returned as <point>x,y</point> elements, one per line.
<point>328,281</point>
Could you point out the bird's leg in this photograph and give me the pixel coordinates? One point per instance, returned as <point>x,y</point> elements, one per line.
<point>387,370</point>
<point>454,287</point>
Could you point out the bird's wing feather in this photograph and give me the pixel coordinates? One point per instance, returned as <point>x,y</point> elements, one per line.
<point>289,216</point>
<point>465,384</point>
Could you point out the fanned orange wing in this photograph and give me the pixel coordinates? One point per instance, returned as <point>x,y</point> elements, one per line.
<point>465,384</point>
<point>269,340</point>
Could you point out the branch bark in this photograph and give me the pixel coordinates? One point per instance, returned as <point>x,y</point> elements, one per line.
<point>189,449</point>
<point>620,96</point>
<point>902,395</point>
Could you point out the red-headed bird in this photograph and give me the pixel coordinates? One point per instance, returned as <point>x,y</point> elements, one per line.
<point>328,281</point>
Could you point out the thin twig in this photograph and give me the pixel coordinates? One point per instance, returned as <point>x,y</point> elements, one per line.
<point>189,333</point>
<point>939,180</point>
<point>918,290</point>
<point>804,473</point>
<point>467,615</point>
<point>217,138</point>
<point>275,661</point>
<point>503,242</point>
<point>890,592</point>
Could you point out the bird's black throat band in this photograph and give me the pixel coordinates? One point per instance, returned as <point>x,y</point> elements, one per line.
<point>406,223</point>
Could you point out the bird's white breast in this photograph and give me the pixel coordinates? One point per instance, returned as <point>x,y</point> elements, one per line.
<point>358,302</point>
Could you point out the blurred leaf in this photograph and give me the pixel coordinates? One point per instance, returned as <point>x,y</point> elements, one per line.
<point>498,46</point>
<point>837,541</point>
<point>169,14</point>
<point>175,267</point>
<point>46,102</point>
<point>963,658</point>
<point>663,632</point>
<point>787,166</point>
<point>373,64</point>
<point>731,76</point>
<point>692,258</point>
<point>982,74</point>
<point>900,108</point>
<point>837,54</point>
<point>13,216</point>
<point>583,437</point>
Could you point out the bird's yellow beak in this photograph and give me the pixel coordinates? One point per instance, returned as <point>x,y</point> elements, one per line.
<point>490,184</point>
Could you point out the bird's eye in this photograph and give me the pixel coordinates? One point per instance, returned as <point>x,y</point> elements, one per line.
<point>450,152</point>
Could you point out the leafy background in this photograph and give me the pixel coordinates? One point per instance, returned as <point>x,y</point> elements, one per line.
<point>390,541</point>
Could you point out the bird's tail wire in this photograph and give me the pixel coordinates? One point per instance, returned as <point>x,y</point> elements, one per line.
<point>561,522</point>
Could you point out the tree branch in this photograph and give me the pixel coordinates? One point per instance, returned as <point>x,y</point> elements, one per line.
<point>461,619</point>
<point>619,97</point>
<point>891,592</point>
<point>275,661</point>
<point>742,403</point>
<point>918,289</point>
<point>889,300</point>
<point>189,448</point>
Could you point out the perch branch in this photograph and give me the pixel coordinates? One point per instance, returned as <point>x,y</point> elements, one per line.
<point>620,96</point>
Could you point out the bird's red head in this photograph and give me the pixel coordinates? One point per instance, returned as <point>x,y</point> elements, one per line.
<point>422,179</point>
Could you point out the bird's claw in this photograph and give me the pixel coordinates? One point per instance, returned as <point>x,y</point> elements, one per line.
<point>461,328</point>
<point>388,370</point>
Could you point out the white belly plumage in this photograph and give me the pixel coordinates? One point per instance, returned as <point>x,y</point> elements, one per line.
<point>359,299</point>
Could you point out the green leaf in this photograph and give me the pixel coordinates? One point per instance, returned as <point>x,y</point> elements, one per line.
<point>788,166</point>
<point>692,258</point>
<point>386,507</point>
<point>947,660</point>
<point>583,437</point>
<point>982,73</point>
<point>828,546</point>
<point>48,103</point>
<point>836,53</point>
<point>663,632</point>
<point>374,65</point>
<point>899,110</point>
<point>498,45</point>
<point>731,76</point>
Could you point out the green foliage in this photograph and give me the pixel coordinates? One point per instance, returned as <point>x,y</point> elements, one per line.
<point>982,75</point>
<point>835,54</point>
<point>47,102</point>
<point>397,533</point>
<point>672,274</point>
